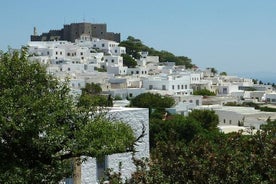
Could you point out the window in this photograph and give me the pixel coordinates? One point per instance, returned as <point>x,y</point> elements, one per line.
<point>112,60</point>
<point>56,53</point>
<point>163,87</point>
<point>186,86</point>
<point>103,45</point>
<point>130,95</point>
<point>60,53</point>
<point>172,86</point>
<point>178,86</point>
<point>150,86</point>
<point>69,69</point>
<point>182,87</point>
<point>115,51</point>
<point>81,53</point>
<point>101,167</point>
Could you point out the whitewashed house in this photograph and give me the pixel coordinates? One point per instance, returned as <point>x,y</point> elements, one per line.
<point>227,89</point>
<point>117,70</point>
<point>269,98</point>
<point>138,71</point>
<point>240,116</point>
<point>174,83</point>
<point>108,46</point>
<point>184,104</point>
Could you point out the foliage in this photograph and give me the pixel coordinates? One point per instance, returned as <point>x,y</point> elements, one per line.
<point>129,61</point>
<point>266,109</point>
<point>255,81</point>
<point>270,126</point>
<point>135,46</point>
<point>150,100</point>
<point>91,97</point>
<point>204,92</point>
<point>41,129</point>
<point>207,118</point>
<point>232,158</point>
<point>214,71</point>
<point>259,107</point>
<point>100,69</point>
<point>232,104</point>
<point>249,88</point>
<point>176,129</point>
<point>209,157</point>
<point>220,158</point>
<point>223,73</point>
<point>92,89</point>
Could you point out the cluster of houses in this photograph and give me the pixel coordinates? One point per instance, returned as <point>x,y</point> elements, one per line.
<point>95,60</point>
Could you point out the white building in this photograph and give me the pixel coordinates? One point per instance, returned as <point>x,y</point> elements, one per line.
<point>174,83</point>
<point>107,46</point>
<point>117,70</point>
<point>269,98</point>
<point>140,71</point>
<point>227,89</point>
<point>240,116</point>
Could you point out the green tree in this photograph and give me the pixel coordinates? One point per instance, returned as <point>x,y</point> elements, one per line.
<point>204,92</point>
<point>207,118</point>
<point>41,129</point>
<point>91,97</point>
<point>150,100</point>
<point>92,89</point>
<point>129,61</point>
<point>212,158</point>
<point>223,73</point>
<point>177,128</point>
<point>134,46</point>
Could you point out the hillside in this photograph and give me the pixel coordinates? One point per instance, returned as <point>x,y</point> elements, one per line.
<point>134,46</point>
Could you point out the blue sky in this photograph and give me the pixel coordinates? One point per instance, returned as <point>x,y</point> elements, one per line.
<point>237,36</point>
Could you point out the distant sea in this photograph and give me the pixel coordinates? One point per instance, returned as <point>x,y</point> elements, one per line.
<point>265,77</point>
